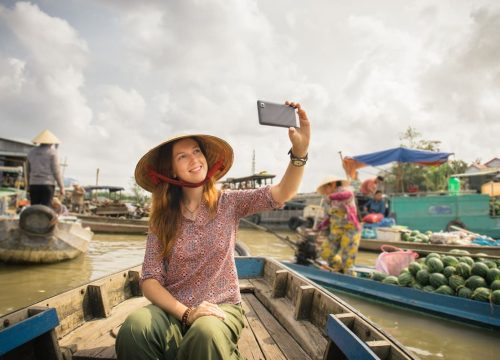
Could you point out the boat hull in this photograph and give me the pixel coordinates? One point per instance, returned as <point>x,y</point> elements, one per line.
<point>452,307</point>
<point>67,241</point>
<point>110,225</point>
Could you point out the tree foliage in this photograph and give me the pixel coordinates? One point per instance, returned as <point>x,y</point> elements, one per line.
<point>405,177</point>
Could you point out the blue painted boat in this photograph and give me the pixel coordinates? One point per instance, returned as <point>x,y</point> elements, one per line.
<point>286,316</point>
<point>453,307</point>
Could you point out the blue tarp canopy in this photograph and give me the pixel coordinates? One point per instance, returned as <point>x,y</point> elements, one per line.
<point>399,154</point>
<point>403,155</point>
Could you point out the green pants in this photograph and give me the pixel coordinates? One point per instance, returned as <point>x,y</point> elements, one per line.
<point>150,333</point>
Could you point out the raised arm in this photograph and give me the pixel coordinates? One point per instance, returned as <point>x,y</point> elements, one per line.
<point>299,137</point>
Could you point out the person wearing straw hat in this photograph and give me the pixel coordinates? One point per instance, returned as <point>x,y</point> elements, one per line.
<point>43,169</point>
<point>344,229</point>
<point>189,273</point>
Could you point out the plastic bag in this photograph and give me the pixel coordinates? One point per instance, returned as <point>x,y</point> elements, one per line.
<point>392,259</point>
<point>373,218</point>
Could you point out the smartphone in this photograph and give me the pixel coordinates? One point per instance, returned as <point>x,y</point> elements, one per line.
<point>276,114</point>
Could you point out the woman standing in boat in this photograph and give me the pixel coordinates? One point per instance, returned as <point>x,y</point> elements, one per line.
<point>43,169</point>
<point>344,230</point>
<point>189,273</point>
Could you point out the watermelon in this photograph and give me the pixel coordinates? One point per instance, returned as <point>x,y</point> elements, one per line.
<point>490,264</point>
<point>378,276</point>
<point>449,261</point>
<point>421,261</point>
<point>456,281</point>
<point>474,282</point>
<point>495,285</point>
<point>449,270</point>
<point>495,297</point>
<point>433,255</point>
<point>463,270</point>
<point>406,279</point>
<point>466,259</point>
<point>428,288</point>
<point>479,269</point>
<point>392,280</point>
<point>445,290</point>
<point>405,236</point>
<point>417,286</point>
<point>414,268</point>
<point>464,292</point>
<point>492,275</point>
<point>438,279</point>
<point>481,294</point>
<point>423,277</point>
<point>435,265</point>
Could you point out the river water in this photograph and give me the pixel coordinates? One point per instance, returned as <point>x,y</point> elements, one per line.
<point>429,337</point>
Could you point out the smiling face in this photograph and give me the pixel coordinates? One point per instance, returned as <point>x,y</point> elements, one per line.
<point>188,161</point>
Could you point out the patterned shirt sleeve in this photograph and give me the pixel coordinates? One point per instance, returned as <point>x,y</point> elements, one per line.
<point>248,202</point>
<point>152,267</point>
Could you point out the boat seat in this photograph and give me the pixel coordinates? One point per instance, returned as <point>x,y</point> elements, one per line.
<point>262,338</point>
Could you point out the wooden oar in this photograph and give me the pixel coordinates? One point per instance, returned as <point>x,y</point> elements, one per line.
<point>285,239</point>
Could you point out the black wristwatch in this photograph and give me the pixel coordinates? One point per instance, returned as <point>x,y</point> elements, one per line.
<point>297,161</point>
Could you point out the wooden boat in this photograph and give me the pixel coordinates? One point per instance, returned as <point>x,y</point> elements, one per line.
<point>374,245</point>
<point>453,307</point>
<point>38,236</point>
<point>287,317</point>
<point>113,225</point>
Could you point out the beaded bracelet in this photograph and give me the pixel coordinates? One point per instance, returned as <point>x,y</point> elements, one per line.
<point>185,316</point>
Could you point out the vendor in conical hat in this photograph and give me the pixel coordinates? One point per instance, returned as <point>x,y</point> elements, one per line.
<point>43,169</point>
<point>344,230</point>
<point>189,273</point>
<point>330,183</point>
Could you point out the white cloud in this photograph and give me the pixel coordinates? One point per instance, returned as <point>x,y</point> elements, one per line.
<point>52,70</point>
<point>363,74</point>
<point>12,76</point>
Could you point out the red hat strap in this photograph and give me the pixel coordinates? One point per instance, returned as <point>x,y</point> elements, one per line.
<point>157,178</point>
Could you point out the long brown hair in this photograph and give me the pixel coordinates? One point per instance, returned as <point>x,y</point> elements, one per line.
<point>166,214</point>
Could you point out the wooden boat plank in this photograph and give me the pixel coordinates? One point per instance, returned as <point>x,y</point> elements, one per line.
<point>305,333</point>
<point>286,343</point>
<point>267,344</point>
<point>104,349</point>
<point>86,335</point>
<point>247,344</point>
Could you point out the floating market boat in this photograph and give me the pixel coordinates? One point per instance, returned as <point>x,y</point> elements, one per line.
<point>113,225</point>
<point>39,236</point>
<point>286,317</point>
<point>465,310</point>
<point>374,245</point>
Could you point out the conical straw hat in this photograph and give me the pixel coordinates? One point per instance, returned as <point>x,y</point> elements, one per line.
<point>215,148</point>
<point>46,137</point>
<point>328,180</point>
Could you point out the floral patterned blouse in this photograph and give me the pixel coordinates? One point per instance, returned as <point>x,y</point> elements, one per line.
<point>201,264</point>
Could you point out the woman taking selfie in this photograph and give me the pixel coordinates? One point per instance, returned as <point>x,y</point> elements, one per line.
<point>189,273</point>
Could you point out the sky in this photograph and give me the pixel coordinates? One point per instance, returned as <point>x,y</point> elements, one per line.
<point>113,79</point>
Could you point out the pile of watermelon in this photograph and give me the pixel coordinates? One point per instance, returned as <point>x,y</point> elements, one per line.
<point>416,236</point>
<point>456,274</point>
